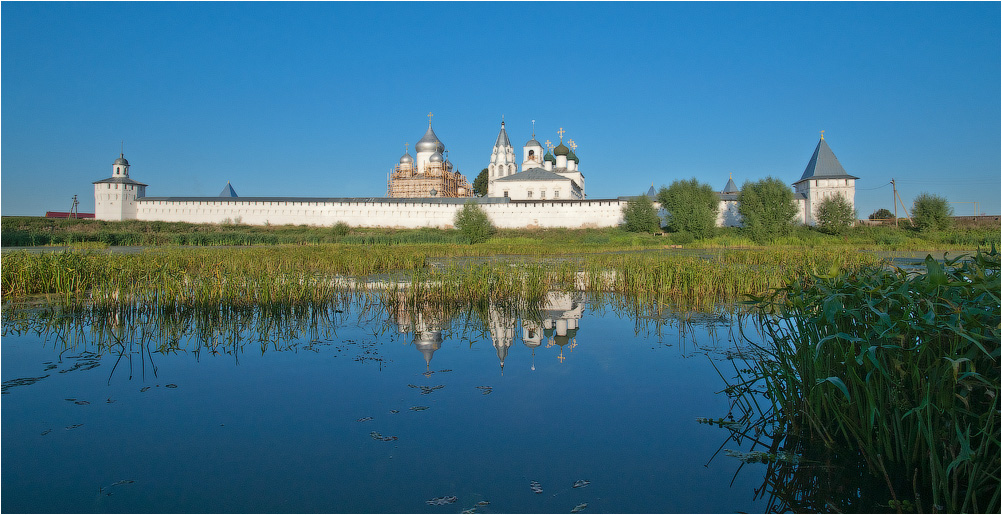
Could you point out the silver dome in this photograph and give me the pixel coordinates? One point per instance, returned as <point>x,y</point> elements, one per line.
<point>435,158</point>
<point>406,158</point>
<point>533,143</point>
<point>429,143</point>
<point>121,160</point>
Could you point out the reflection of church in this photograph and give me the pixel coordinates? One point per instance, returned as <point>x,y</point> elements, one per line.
<point>558,325</point>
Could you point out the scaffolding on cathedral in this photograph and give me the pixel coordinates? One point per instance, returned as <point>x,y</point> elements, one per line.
<point>436,181</point>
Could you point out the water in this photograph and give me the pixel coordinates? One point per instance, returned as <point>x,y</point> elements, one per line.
<point>306,422</point>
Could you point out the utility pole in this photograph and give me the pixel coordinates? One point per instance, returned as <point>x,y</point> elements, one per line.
<point>895,200</point>
<point>73,208</point>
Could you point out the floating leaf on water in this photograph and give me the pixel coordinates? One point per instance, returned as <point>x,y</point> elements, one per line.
<point>47,431</point>
<point>445,370</point>
<point>143,389</point>
<point>471,510</point>
<point>110,400</point>
<point>74,426</point>
<point>579,507</point>
<point>364,419</point>
<point>581,483</point>
<point>50,366</point>
<point>170,385</point>
<point>394,411</point>
<point>483,503</point>
<point>21,381</point>
<point>413,386</point>
<point>123,482</point>
<point>71,399</point>
<point>419,408</point>
<point>439,501</point>
<point>763,457</point>
<point>82,403</point>
<point>375,435</point>
<point>536,487</point>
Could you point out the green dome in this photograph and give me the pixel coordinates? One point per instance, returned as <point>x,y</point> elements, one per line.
<point>549,157</point>
<point>572,157</point>
<point>561,150</point>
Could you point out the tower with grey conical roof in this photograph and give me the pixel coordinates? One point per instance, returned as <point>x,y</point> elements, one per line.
<point>502,159</point>
<point>824,177</point>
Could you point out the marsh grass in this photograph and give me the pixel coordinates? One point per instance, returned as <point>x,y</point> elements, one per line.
<point>898,369</point>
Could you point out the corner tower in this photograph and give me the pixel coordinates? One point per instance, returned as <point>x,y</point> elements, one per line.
<point>115,197</point>
<point>824,177</point>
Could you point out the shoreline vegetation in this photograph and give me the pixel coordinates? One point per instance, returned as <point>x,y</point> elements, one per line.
<point>889,377</point>
<point>36,231</point>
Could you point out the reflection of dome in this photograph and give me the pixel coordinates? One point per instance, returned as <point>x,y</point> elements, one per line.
<point>429,143</point>
<point>564,340</point>
<point>561,150</point>
<point>427,342</point>
<point>121,160</point>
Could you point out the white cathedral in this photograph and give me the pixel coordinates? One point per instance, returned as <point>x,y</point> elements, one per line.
<point>554,175</point>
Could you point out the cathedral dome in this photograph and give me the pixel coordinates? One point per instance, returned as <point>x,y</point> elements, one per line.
<point>561,150</point>
<point>121,160</point>
<point>429,143</point>
<point>533,143</point>
<point>549,157</point>
<point>571,156</point>
<point>435,158</point>
<point>406,159</point>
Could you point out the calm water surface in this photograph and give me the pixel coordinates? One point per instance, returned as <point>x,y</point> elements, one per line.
<point>335,422</point>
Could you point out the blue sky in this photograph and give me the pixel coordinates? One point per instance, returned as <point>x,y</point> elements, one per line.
<point>318,99</point>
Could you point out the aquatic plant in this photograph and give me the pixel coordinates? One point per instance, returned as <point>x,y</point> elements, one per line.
<point>899,370</point>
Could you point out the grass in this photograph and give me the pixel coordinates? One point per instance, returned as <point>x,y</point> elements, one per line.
<point>897,371</point>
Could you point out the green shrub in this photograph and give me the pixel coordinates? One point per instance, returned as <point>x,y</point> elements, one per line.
<point>639,215</point>
<point>931,212</point>
<point>473,223</point>
<point>691,207</point>
<point>767,209</point>
<point>834,215</point>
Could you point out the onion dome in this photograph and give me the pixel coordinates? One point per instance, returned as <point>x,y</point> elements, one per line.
<point>572,157</point>
<point>435,158</point>
<point>561,150</point>
<point>121,160</point>
<point>406,159</point>
<point>549,157</point>
<point>429,143</point>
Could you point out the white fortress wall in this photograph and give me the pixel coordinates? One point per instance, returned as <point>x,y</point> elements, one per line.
<point>376,212</point>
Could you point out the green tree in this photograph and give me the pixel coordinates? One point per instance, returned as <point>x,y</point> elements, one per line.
<point>691,206</point>
<point>473,223</point>
<point>480,184</point>
<point>931,212</point>
<point>834,215</point>
<point>767,208</point>
<point>882,214</point>
<point>639,215</point>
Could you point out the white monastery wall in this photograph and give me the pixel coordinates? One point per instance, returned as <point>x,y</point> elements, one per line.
<point>376,213</point>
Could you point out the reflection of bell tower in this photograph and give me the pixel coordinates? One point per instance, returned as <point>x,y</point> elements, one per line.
<point>502,328</point>
<point>427,342</point>
<point>562,311</point>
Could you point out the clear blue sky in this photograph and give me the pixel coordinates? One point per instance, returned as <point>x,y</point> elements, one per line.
<point>318,99</point>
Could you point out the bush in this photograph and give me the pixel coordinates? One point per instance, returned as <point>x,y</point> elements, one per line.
<point>691,206</point>
<point>767,209</point>
<point>340,230</point>
<point>882,214</point>
<point>834,215</point>
<point>931,212</point>
<point>639,215</point>
<point>473,223</point>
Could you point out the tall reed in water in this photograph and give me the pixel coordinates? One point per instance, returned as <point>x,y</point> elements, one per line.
<point>903,368</point>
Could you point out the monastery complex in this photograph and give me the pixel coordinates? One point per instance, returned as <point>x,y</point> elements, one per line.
<point>545,189</point>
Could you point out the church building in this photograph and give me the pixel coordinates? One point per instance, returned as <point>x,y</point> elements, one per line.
<point>553,176</point>
<point>430,174</point>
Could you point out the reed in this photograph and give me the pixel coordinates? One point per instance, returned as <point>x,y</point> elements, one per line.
<point>901,369</point>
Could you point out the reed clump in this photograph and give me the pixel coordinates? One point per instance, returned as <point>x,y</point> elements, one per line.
<point>901,368</point>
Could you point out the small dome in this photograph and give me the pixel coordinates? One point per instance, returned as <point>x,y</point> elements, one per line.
<point>571,156</point>
<point>435,158</point>
<point>429,143</point>
<point>549,157</point>
<point>122,160</point>
<point>561,150</point>
<point>406,159</point>
<point>533,143</point>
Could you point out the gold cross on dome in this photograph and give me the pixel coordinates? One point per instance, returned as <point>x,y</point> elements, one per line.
<point>570,143</point>
<point>549,146</point>
<point>405,147</point>
<point>561,133</point>
<point>429,117</point>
